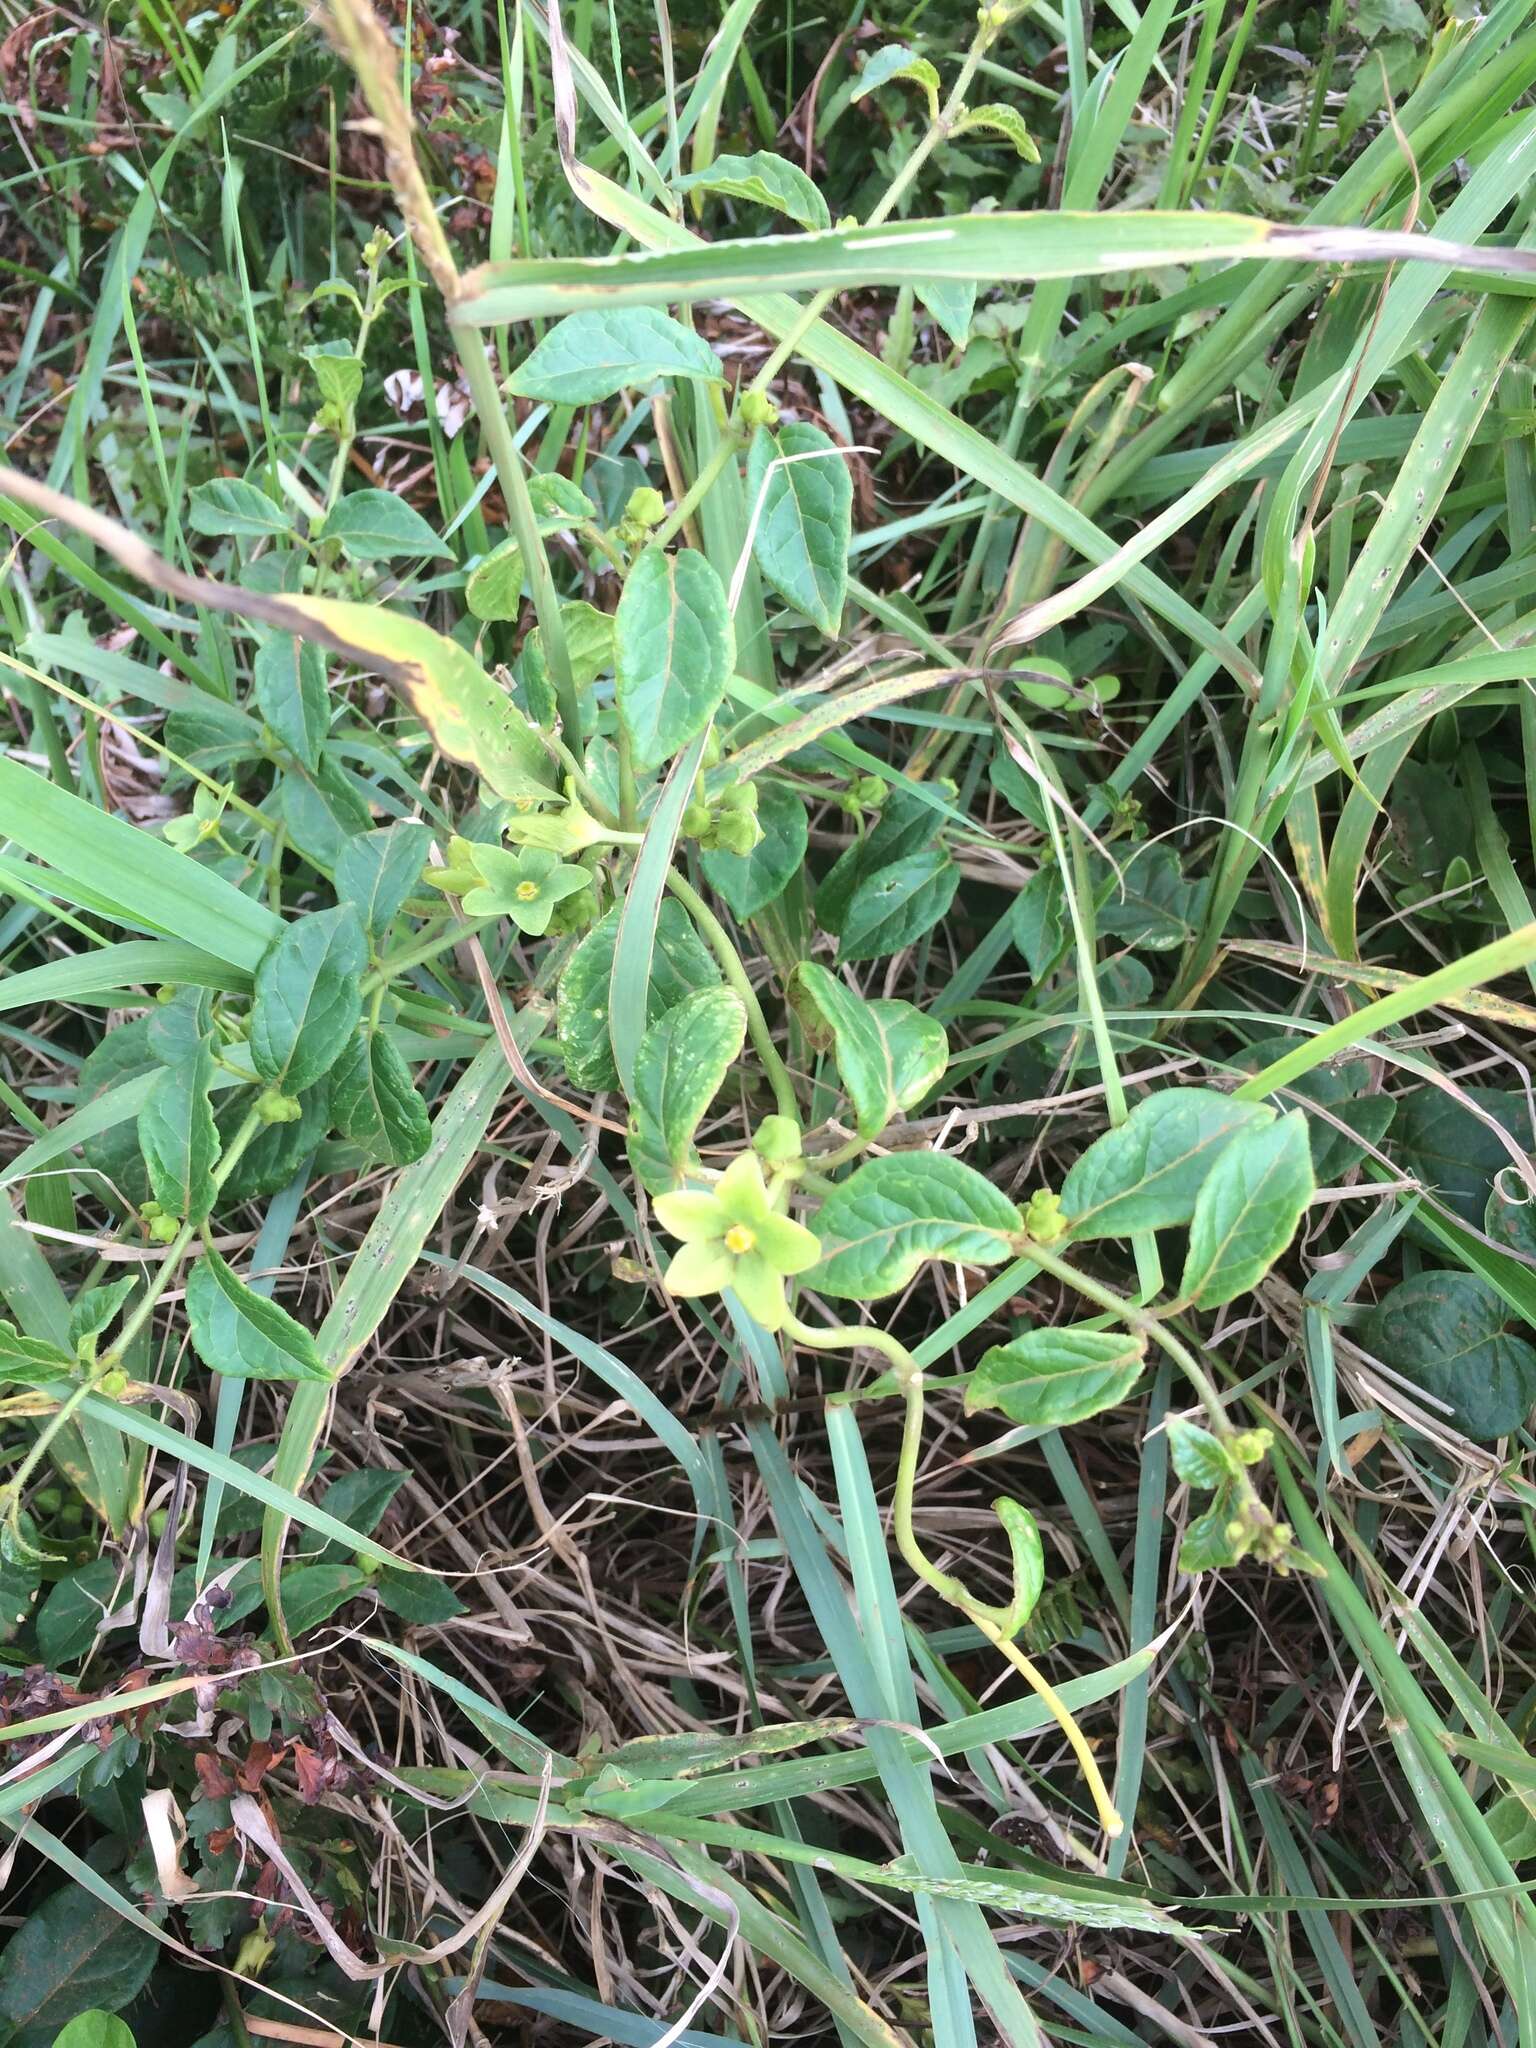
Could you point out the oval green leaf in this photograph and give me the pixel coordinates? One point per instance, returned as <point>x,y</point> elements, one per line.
<point>894,906</point>
<point>374,1101</point>
<point>590,356</point>
<point>308,998</point>
<point>1147,1173</point>
<point>749,882</point>
<point>1049,1379</point>
<point>1247,1210</point>
<point>680,963</point>
<point>673,649</point>
<point>240,1333</point>
<point>890,1215</point>
<point>179,1138</point>
<point>765,180</point>
<point>376,526</point>
<point>799,488</point>
<point>888,1053</point>
<point>682,1059</point>
<point>1446,1332</point>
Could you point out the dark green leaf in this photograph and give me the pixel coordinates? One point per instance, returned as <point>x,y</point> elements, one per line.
<point>416,1597</point>
<point>1146,1174</point>
<point>799,488</point>
<point>313,1592</point>
<point>683,1058</point>
<point>878,1226</point>
<point>20,1578</point>
<point>1341,1091</point>
<point>749,882</point>
<point>374,1101</point>
<point>179,1138</point>
<point>378,870</point>
<point>179,1026</point>
<point>1198,1457</point>
<point>376,526</point>
<point>888,1053</point>
<point>123,1055</point>
<point>30,1361</point>
<point>90,1312</point>
<point>1247,1210</point>
<point>590,356</point>
<point>906,825</point>
<point>1152,906</point>
<point>229,505</point>
<point>243,1335</point>
<point>680,963</point>
<point>1036,921</point>
<point>765,180</point>
<point>69,1617</point>
<point>1452,1150</point>
<point>72,1953</point>
<point>1512,1223</point>
<point>308,999</point>
<point>895,906</point>
<point>359,1499</point>
<point>1446,1332</point>
<point>673,649</point>
<point>1051,1378</point>
<point>289,677</point>
<point>277,1151</point>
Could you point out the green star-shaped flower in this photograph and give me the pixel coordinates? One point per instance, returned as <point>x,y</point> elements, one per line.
<point>524,886</point>
<point>733,1237</point>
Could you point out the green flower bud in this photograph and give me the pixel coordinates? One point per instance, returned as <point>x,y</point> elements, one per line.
<point>1042,1217</point>
<point>113,1384</point>
<point>47,1500</point>
<point>646,508</point>
<point>165,1229</point>
<point>696,821</point>
<point>574,913</point>
<point>1251,1446</point>
<point>733,832</point>
<point>758,410</point>
<point>777,1139</point>
<point>274,1107</point>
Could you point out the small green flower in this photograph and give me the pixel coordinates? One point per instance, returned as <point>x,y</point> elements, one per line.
<point>524,886</point>
<point>1042,1217</point>
<point>732,1237</point>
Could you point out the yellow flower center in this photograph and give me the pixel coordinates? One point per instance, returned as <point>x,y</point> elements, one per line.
<point>739,1239</point>
<point>526,891</point>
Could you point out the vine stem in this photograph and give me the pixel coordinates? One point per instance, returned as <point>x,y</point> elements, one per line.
<point>687,505</point>
<point>720,945</point>
<point>845,1337</point>
<point>1145,1325</point>
<point>939,126</point>
<point>165,1272</point>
